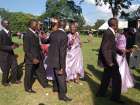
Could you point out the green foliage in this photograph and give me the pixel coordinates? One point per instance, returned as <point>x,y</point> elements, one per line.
<point>116,6</point>
<point>98,23</point>
<point>18,20</point>
<point>65,9</point>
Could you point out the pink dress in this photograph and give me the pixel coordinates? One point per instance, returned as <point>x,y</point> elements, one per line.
<point>74,58</point>
<point>127,79</point>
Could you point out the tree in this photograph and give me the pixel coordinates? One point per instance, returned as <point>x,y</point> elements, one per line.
<point>18,20</point>
<point>98,23</point>
<point>116,6</point>
<point>64,9</point>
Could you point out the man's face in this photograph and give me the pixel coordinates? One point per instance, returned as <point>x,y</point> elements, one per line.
<point>115,25</point>
<point>5,24</point>
<point>34,25</point>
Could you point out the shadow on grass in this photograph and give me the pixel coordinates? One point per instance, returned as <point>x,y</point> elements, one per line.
<point>94,87</point>
<point>95,50</point>
<point>97,73</point>
<point>138,70</point>
<point>85,42</point>
<point>41,104</point>
<point>137,82</point>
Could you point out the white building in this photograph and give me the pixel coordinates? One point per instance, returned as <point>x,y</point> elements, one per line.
<point>121,25</point>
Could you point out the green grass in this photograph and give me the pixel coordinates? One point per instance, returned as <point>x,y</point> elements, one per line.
<point>81,94</point>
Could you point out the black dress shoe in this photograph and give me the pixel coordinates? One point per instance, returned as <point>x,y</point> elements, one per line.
<point>101,95</point>
<point>16,82</point>
<point>65,99</point>
<point>30,91</point>
<point>118,101</point>
<point>5,84</point>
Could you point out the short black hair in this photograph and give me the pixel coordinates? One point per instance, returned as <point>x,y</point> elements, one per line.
<point>110,21</point>
<point>2,21</point>
<point>31,21</point>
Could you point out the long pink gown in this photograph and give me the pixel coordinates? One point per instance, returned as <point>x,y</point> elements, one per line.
<point>74,58</point>
<point>127,79</point>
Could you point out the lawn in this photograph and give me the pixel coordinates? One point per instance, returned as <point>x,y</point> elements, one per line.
<point>82,94</point>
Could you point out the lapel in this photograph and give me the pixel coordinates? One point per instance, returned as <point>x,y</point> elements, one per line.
<point>34,37</point>
<point>7,34</point>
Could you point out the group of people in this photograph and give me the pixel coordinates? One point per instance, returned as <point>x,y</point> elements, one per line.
<point>57,56</point>
<point>114,56</point>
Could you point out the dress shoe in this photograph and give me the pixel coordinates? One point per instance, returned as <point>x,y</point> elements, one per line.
<point>65,99</point>
<point>118,101</point>
<point>30,91</point>
<point>6,84</point>
<point>101,95</point>
<point>16,82</point>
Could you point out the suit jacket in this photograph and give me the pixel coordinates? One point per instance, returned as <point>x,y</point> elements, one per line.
<point>130,41</point>
<point>31,47</point>
<point>5,46</point>
<point>137,38</point>
<point>107,52</point>
<point>57,49</point>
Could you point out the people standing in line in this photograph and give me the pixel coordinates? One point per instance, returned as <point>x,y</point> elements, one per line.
<point>57,58</point>
<point>74,58</point>
<point>34,68</point>
<point>107,60</point>
<point>8,60</point>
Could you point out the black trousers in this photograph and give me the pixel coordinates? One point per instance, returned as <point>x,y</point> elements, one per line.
<point>128,57</point>
<point>33,72</point>
<point>114,74</point>
<point>59,84</point>
<point>9,70</point>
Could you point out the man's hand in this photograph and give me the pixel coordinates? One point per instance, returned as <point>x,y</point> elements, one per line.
<point>111,64</point>
<point>16,55</point>
<point>14,46</point>
<point>60,72</point>
<point>35,61</point>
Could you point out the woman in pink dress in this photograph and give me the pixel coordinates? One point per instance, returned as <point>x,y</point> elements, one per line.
<point>127,79</point>
<point>74,58</point>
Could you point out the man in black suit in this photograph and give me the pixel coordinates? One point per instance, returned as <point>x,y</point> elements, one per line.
<point>130,42</point>
<point>107,59</point>
<point>33,58</point>
<point>7,57</point>
<point>57,58</point>
<point>137,52</point>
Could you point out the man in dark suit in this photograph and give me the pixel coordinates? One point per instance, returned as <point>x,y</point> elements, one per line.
<point>33,58</point>
<point>130,42</point>
<point>107,59</point>
<point>137,52</point>
<point>7,57</point>
<point>57,58</point>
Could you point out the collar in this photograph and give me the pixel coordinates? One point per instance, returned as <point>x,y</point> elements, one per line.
<point>62,29</point>
<point>112,30</point>
<point>32,30</point>
<point>7,31</point>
